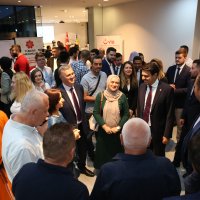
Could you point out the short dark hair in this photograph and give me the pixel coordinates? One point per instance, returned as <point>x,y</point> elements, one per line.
<point>54,98</point>
<point>152,67</point>
<point>33,74</point>
<point>58,141</point>
<point>39,54</point>
<point>197,61</point>
<point>118,55</point>
<point>64,56</point>
<point>185,47</point>
<point>56,48</point>
<point>96,51</point>
<point>96,57</point>
<point>194,151</point>
<point>6,63</point>
<point>109,49</point>
<point>137,58</point>
<point>73,50</point>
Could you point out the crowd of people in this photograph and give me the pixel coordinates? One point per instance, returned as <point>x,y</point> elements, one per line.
<point>130,107</point>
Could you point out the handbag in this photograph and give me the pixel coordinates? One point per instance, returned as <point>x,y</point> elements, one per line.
<point>94,126</point>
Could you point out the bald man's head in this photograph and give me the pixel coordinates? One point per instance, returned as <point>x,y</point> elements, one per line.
<point>136,134</point>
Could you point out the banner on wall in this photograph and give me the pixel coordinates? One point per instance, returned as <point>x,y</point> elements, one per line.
<point>30,46</point>
<point>105,41</point>
<point>5,47</point>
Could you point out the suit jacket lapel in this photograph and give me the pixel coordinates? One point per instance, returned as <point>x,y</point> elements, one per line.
<point>156,97</point>
<point>142,100</point>
<point>66,97</point>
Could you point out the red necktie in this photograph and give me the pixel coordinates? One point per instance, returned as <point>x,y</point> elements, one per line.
<point>77,108</point>
<point>148,105</point>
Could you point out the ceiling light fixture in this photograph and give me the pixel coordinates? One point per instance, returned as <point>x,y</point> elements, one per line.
<point>19,1</point>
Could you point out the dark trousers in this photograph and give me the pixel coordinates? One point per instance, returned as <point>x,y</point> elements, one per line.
<point>177,155</point>
<point>6,108</point>
<point>90,145</point>
<point>81,148</point>
<point>157,146</point>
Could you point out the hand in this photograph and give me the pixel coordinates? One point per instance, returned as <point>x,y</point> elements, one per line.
<point>76,133</point>
<point>165,140</point>
<point>173,86</point>
<point>42,128</point>
<point>114,130</point>
<point>182,121</point>
<point>130,113</point>
<point>107,129</point>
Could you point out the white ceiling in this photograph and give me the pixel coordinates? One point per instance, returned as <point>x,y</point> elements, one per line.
<point>53,11</point>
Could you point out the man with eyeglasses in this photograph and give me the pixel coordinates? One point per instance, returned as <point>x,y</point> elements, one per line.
<point>93,82</point>
<point>46,71</point>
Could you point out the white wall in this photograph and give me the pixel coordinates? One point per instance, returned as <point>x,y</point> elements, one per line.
<point>60,30</point>
<point>154,27</point>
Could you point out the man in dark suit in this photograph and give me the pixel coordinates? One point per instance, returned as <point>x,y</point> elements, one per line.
<point>178,77</point>
<point>108,65</point>
<point>194,130</point>
<point>54,61</point>
<point>190,111</point>
<point>136,173</point>
<point>156,107</point>
<point>73,112</point>
<point>137,64</point>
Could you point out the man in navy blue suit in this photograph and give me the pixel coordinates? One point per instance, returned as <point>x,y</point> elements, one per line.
<point>178,77</point>
<point>192,182</point>
<point>137,173</point>
<point>190,111</point>
<point>108,65</point>
<point>195,129</point>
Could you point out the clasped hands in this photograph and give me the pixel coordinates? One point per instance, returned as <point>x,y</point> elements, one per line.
<point>110,130</point>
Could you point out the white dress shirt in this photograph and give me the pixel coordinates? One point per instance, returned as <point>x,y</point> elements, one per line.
<point>21,144</point>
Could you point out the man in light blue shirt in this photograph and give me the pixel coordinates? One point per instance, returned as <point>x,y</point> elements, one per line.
<point>89,82</point>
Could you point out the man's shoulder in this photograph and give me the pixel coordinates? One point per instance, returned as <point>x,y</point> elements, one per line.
<point>172,67</point>
<point>186,68</point>
<point>103,74</point>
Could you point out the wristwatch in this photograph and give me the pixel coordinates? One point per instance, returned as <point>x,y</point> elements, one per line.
<point>118,128</point>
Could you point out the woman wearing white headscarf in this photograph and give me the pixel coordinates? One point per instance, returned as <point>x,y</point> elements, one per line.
<point>111,113</point>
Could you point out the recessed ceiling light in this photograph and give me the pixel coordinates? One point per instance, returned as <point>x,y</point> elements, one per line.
<point>99,5</point>
<point>19,1</point>
<point>105,0</point>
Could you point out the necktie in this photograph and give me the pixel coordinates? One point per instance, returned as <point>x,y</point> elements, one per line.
<point>148,105</point>
<point>77,108</point>
<point>177,73</point>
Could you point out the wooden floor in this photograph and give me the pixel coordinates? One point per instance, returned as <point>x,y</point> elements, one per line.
<point>170,149</point>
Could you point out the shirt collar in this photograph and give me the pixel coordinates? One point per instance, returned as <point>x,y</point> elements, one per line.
<point>67,88</point>
<point>155,84</point>
<point>123,156</point>
<point>181,67</point>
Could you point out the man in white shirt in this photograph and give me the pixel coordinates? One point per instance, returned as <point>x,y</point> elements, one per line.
<point>22,135</point>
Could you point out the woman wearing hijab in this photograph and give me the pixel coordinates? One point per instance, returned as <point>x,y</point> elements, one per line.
<point>111,111</point>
